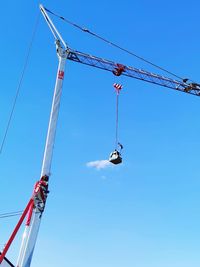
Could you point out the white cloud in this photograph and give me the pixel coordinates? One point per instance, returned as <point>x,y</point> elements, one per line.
<point>99,164</point>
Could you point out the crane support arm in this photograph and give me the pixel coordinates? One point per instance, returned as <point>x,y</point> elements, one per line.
<point>52,27</point>
<point>120,69</point>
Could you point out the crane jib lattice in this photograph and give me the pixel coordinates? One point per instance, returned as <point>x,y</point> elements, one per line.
<point>183,86</point>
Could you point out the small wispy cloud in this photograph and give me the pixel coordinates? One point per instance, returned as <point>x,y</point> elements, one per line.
<point>99,164</point>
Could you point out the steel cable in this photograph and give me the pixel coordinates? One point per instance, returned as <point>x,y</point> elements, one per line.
<point>113,44</point>
<point>19,86</point>
<point>10,214</point>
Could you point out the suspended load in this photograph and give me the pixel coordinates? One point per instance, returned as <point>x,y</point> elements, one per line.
<point>115,156</point>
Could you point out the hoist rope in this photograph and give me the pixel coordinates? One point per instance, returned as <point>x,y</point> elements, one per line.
<point>117,119</point>
<point>113,44</point>
<point>19,84</point>
<point>118,88</point>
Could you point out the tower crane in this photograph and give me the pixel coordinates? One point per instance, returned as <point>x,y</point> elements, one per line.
<point>36,205</point>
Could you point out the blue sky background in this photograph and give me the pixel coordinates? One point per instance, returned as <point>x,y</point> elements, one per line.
<point>144,212</point>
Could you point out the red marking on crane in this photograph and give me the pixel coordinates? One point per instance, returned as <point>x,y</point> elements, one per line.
<point>118,71</point>
<point>61,74</point>
<point>118,87</point>
<point>30,212</point>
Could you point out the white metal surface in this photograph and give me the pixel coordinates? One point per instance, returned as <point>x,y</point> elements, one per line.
<point>28,240</point>
<point>46,165</point>
<point>31,231</point>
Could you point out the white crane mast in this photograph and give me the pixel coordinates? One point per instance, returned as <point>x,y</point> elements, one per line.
<point>32,228</point>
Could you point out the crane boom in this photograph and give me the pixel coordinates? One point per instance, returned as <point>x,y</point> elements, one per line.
<point>120,69</point>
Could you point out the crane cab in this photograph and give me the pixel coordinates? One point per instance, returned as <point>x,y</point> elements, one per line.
<point>115,157</point>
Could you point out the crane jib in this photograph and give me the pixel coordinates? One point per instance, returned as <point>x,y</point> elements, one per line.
<point>190,88</point>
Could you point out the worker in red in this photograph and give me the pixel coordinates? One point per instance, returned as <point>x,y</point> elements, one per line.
<point>41,189</point>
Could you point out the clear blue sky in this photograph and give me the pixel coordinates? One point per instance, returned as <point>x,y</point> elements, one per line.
<point>143,213</point>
